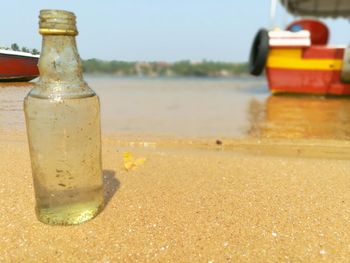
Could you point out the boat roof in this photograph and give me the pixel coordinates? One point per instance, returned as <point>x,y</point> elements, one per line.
<point>318,8</point>
<point>18,53</point>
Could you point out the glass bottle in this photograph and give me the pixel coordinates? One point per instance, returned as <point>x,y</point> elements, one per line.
<point>63,128</point>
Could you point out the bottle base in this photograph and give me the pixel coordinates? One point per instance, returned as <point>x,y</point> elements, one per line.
<point>72,214</point>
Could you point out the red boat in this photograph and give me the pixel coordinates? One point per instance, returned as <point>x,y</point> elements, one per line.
<point>18,66</point>
<point>299,59</point>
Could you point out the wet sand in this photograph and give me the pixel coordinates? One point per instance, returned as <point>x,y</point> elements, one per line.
<point>266,197</point>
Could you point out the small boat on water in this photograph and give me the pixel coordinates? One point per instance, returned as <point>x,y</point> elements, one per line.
<point>18,66</point>
<point>298,59</point>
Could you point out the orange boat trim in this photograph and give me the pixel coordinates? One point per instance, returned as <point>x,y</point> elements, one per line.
<point>292,58</point>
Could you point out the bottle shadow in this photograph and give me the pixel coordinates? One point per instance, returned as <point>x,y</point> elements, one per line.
<point>111,185</point>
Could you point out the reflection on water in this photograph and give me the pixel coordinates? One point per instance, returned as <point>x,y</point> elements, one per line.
<point>233,108</point>
<point>300,117</point>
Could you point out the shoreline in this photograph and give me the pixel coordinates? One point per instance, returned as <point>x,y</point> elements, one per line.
<point>338,149</point>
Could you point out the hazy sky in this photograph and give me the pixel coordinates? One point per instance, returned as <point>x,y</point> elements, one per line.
<point>166,30</point>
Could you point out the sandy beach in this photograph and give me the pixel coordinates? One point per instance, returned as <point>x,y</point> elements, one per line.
<point>262,197</point>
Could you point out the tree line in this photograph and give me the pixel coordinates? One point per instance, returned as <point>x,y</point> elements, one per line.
<point>186,68</point>
<point>181,68</point>
<point>16,47</point>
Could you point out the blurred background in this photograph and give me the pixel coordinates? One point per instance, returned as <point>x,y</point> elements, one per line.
<point>176,68</point>
<point>155,30</point>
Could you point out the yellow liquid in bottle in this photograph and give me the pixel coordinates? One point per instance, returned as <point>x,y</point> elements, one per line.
<point>65,145</point>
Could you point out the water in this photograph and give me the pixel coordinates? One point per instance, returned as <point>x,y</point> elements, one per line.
<point>182,107</point>
<point>234,108</point>
<point>66,159</point>
<point>301,117</point>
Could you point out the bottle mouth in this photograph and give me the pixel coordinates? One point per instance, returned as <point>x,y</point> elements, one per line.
<point>57,22</point>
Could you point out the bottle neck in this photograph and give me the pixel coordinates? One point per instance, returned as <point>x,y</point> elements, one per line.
<point>60,69</point>
<point>59,60</point>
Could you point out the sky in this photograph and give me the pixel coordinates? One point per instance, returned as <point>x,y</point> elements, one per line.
<point>155,30</point>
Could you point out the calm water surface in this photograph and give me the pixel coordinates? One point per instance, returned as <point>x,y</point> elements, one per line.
<point>239,107</point>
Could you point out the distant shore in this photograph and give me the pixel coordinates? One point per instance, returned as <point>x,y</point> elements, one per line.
<point>182,68</point>
<point>185,68</point>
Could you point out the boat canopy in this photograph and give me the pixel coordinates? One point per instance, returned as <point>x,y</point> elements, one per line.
<point>318,8</point>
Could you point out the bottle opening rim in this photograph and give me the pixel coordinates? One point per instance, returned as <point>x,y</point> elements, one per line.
<point>57,22</point>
